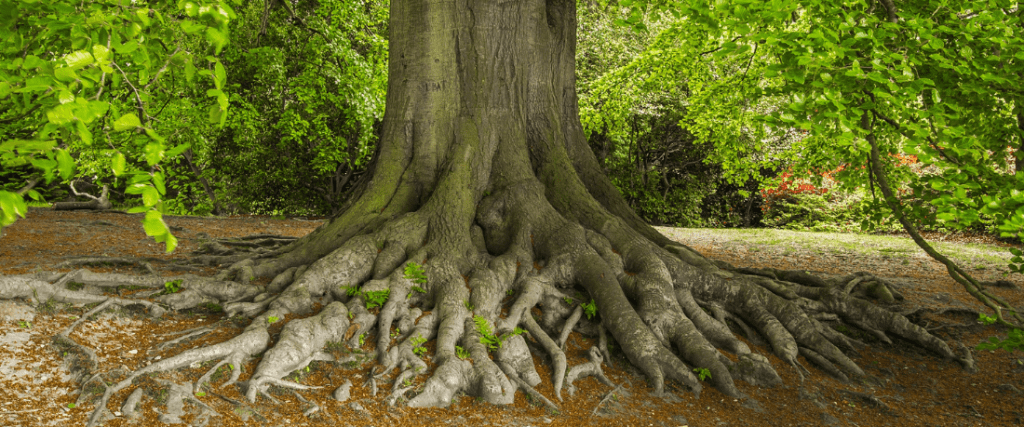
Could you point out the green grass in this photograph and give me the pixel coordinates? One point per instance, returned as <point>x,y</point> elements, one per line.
<point>966,254</point>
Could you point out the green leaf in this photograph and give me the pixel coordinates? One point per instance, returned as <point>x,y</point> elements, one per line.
<point>101,53</point>
<point>78,59</point>
<point>11,205</point>
<point>190,71</point>
<point>65,164</point>
<point>136,188</point>
<point>61,115</point>
<point>150,196</point>
<point>118,164</point>
<point>127,121</point>
<point>127,47</point>
<point>154,153</point>
<point>83,132</point>
<point>158,182</point>
<point>154,224</point>
<point>220,74</point>
<point>177,150</point>
<point>65,96</point>
<point>217,38</point>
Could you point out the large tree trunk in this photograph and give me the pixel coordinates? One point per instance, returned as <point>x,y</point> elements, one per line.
<point>483,177</point>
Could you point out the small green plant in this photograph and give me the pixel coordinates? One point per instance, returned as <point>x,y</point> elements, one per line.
<point>272,319</point>
<point>351,290</point>
<point>25,324</point>
<point>568,301</point>
<point>212,307</point>
<point>71,405</point>
<point>702,373</point>
<point>407,382</point>
<point>415,273</point>
<point>417,345</point>
<point>74,286</point>
<point>396,333</point>
<point>376,298</point>
<point>415,289</point>
<point>1014,339</point>
<point>468,305</point>
<point>590,309</point>
<point>362,340</point>
<point>200,394</point>
<point>350,315</point>
<point>172,287</point>
<point>462,353</point>
<point>510,292</point>
<point>488,338</point>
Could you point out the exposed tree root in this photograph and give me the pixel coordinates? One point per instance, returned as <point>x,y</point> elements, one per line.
<point>94,203</point>
<point>670,310</point>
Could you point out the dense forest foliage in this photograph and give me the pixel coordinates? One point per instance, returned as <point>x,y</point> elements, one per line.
<point>732,113</point>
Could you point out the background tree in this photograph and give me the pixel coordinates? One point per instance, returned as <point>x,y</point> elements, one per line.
<point>872,80</point>
<point>93,79</point>
<point>308,84</point>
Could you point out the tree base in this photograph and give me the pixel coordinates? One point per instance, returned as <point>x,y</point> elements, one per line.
<point>458,336</point>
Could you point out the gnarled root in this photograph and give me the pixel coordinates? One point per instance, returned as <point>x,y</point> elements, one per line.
<point>671,311</point>
<point>591,368</point>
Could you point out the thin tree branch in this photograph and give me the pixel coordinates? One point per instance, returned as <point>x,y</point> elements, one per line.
<point>998,305</point>
<point>138,98</point>
<point>162,69</point>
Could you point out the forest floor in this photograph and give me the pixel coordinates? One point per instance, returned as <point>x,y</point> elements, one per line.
<point>905,386</point>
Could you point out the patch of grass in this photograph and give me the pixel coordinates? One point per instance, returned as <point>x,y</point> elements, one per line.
<point>211,307</point>
<point>74,286</point>
<point>50,307</point>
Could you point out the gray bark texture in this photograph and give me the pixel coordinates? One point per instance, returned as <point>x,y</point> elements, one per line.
<point>484,178</point>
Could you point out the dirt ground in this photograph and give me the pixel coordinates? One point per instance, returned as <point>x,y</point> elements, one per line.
<point>906,386</point>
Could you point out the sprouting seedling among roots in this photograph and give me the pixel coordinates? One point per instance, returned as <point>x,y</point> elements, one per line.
<point>415,273</point>
<point>172,286</point>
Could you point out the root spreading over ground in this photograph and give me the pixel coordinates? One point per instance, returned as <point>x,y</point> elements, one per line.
<point>674,314</point>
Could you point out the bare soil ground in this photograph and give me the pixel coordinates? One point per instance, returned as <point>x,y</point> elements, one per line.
<point>905,386</point>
